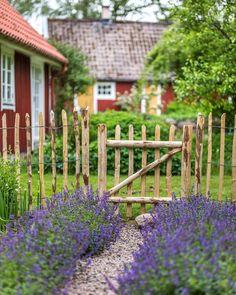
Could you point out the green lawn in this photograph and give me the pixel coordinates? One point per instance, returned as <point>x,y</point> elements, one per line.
<point>136,186</point>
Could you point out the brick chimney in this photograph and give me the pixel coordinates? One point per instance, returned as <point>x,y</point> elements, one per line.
<point>106,13</point>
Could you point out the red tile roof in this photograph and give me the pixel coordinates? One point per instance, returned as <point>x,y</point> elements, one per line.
<point>14,27</point>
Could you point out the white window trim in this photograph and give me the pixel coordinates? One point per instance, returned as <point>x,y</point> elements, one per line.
<point>10,52</point>
<point>159,101</point>
<point>111,96</point>
<point>97,97</point>
<point>143,101</point>
<point>36,62</point>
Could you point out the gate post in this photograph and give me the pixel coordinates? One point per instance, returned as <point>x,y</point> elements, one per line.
<point>85,145</point>
<point>186,161</point>
<point>198,153</point>
<point>102,158</point>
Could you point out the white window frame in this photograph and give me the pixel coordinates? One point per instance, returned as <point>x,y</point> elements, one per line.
<point>11,104</point>
<point>111,96</point>
<point>97,97</point>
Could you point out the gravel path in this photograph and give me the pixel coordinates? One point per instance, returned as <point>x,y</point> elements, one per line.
<point>90,280</point>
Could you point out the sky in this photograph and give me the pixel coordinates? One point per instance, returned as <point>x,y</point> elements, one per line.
<point>40,22</point>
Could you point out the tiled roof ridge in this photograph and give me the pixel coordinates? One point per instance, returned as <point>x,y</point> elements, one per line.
<point>13,26</point>
<point>167,23</point>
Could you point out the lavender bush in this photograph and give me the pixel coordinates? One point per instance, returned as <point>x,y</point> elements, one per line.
<point>190,250</point>
<point>38,254</point>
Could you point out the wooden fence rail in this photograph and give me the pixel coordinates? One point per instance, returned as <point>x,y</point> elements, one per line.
<point>173,147</point>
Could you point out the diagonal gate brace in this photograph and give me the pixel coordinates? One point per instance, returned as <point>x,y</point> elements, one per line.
<point>143,171</point>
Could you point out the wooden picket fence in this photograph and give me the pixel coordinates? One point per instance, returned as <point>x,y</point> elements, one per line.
<point>41,127</point>
<point>82,148</point>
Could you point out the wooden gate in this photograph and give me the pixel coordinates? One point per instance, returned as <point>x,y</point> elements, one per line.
<point>173,146</point>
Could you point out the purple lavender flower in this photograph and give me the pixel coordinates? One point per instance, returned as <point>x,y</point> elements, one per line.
<point>39,252</point>
<point>190,250</point>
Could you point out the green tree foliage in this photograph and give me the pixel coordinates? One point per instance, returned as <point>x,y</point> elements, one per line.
<point>75,80</point>
<point>199,52</point>
<point>29,7</point>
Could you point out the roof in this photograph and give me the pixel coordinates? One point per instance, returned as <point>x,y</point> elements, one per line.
<point>15,28</point>
<point>115,50</point>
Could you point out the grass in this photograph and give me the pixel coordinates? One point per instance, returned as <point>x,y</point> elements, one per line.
<point>136,186</point>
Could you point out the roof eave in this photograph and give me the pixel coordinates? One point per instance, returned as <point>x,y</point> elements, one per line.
<point>26,49</point>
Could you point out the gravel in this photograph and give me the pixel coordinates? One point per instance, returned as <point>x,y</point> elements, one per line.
<point>90,276</point>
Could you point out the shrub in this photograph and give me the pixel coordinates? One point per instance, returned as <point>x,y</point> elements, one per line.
<point>8,191</point>
<point>39,252</point>
<point>180,110</point>
<point>190,250</point>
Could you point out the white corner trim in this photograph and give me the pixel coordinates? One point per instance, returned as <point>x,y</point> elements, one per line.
<point>34,120</point>
<point>95,101</point>
<point>159,102</point>
<point>143,101</point>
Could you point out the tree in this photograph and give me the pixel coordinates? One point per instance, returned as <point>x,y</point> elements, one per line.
<point>81,9</point>
<point>74,81</point>
<point>199,53</point>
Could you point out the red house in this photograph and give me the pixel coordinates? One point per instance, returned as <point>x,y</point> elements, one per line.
<point>116,52</point>
<point>28,67</point>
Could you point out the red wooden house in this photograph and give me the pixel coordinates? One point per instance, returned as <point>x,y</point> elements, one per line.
<point>28,67</point>
<point>116,52</point>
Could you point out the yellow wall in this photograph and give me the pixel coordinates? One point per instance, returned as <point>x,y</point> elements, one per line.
<point>86,99</point>
<point>152,103</point>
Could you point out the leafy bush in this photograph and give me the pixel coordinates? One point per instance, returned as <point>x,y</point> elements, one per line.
<point>39,252</point>
<point>190,250</point>
<point>8,191</point>
<point>180,110</point>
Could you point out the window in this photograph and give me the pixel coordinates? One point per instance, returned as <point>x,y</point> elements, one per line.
<point>105,90</point>
<point>7,80</point>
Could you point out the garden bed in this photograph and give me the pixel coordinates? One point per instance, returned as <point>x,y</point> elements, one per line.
<point>190,250</point>
<point>39,252</point>
<point>77,245</point>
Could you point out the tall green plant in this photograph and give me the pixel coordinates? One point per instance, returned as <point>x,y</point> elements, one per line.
<point>8,191</point>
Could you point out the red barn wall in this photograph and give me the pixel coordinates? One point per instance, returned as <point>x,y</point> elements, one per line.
<point>121,87</point>
<point>22,92</point>
<point>106,104</point>
<point>167,96</point>
<point>22,100</point>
